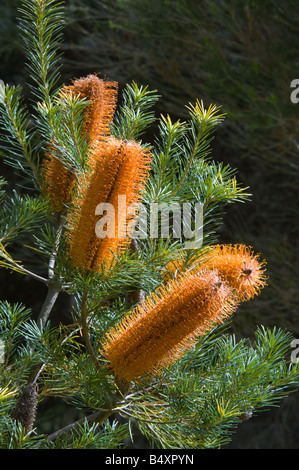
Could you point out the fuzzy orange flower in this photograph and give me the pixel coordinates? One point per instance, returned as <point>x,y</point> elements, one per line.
<point>166,324</point>
<point>236,264</point>
<point>240,267</point>
<point>103,97</point>
<point>117,168</point>
<point>129,183</point>
<point>58,180</point>
<point>93,188</point>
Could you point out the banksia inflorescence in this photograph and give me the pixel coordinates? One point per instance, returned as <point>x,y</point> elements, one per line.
<point>58,180</point>
<point>126,191</point>
<point>115,168</point>
<point>93,189</point>
<point>118,168</point>
<point>237,264</point>
<point>26,407</point>
<point>166,325</point>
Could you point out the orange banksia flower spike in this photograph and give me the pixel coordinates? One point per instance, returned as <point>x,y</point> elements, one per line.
<point>102,94</point>
<point>240,267</point>
<point>118,168</point>
<point>93,188</point>
<point>166,324</point>
<point>127,189</point>
<point>100,112</point>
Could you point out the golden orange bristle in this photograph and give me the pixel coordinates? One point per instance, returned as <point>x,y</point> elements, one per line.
<point>117,168</point>
<point>240,267</point>
<point>127,189</point>
<point>236,264</point>
<point>57,182</point>
<point>93,188</point>
<point>103,97</point>
<point>166,324</point>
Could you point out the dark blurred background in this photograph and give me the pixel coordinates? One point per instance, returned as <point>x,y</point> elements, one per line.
<point>241,55</point>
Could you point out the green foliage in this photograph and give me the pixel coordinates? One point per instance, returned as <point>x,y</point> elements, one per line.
<point>42,39</point>
<point>198,402</point>
<point>20,214</point>
<point>134,115</point>
<point>183,171</point>
<point>18,145</point>
<point>61,126</point>
<point>110,436</point>
<point>13,436</point>
<point>11,319</point>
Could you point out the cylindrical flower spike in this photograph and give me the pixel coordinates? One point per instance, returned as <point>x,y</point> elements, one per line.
<point>236,264</point>
<point>57,182</point>
<point>166,324</point>
<point>102,94</point>
<point>127,190</point>
<point>118,169</point>
<point>240,267</point>
<point>93,188</point>
<point>103,97</point>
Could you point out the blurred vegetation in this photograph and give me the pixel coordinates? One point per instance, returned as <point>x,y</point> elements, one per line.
<point>239,54</point>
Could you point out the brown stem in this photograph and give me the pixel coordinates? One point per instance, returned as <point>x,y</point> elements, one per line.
<point>48,304</point>
<point>97,417</point>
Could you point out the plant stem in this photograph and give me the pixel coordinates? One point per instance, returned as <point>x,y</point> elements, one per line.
<point>53,288</point>
<point>19,268</point>
<point>53,255</point>
<point>97,417</point>
<point>48,304</point>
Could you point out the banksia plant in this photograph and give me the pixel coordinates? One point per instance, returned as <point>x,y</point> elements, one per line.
<point>112,335</point>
